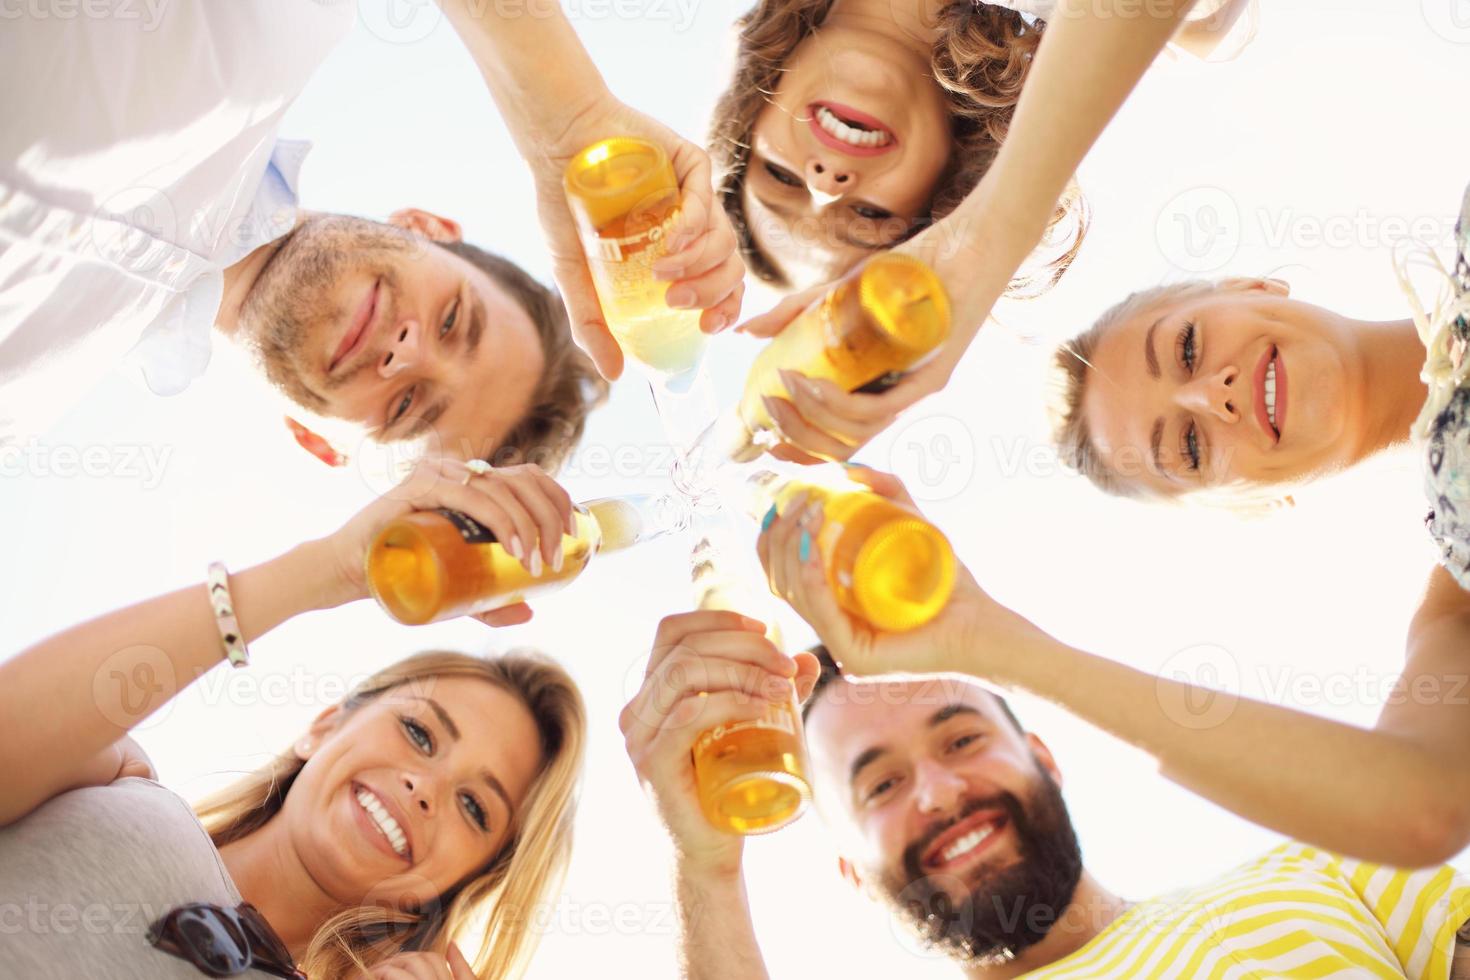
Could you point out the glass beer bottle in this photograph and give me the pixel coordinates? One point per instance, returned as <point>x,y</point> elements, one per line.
<point>437,564</point>
<point>750,775</point>
<point>885,564</point>
<point>625,198</point>
<point>884,318</point>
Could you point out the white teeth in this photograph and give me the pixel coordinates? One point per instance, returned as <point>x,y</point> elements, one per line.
<point>375,809</point>
<point>1271,391</point>
<point>967,843</point>
<point>849,134</point>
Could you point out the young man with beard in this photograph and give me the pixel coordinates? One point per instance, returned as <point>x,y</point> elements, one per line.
<point>945,808</point>
<point>145,199</point>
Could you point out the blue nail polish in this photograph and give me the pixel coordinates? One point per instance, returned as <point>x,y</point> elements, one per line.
<point>804,551</point>
<point>766,521</point>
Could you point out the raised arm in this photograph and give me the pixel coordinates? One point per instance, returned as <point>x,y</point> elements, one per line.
<point>556,103</point>
<point>1396,795</point>
<point>66,702</point>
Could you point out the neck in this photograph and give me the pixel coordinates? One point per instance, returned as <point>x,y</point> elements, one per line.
<point>1093,908</point>
<point>1392,393</point>
<point>271,877</point>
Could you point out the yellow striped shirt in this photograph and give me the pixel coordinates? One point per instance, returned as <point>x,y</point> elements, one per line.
<point>1295,913</point>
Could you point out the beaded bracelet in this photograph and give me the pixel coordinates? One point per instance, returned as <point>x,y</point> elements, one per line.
<point>224,615</point>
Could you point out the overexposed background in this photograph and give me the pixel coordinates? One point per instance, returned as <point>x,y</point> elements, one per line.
<point>1336,131</point>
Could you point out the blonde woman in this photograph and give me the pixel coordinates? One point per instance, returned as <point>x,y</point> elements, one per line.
<point>433,804</point>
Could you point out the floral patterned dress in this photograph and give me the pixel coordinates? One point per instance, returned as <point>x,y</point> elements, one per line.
<point>1444,424</point>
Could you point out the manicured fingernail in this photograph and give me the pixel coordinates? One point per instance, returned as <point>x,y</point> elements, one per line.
<point>536,563</point>
<point>680,297</point>
<point>717,323</point>
<point>804,550</point>
<point>770,517</point>
<point>515,548</point>
<point>849,464</point>
<point>556,559</point>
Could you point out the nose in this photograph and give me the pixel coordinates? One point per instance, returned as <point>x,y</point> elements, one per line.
<point>403,351</point>
<point>938,790</point>
<point>826,181</point>
<point>418,795</point>
<point>1213,394</point>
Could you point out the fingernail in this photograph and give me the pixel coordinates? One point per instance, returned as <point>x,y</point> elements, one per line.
<point>515,548</point>
<point>557,559</point>
<point>536,563</point>
<point>849,464</point>
<point>766,520</point>
<point>680,297</point>
<point>804,550</point>
<point>717,323</point>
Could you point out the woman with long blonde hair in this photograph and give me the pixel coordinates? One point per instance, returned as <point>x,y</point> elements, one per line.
<point>431,807</point>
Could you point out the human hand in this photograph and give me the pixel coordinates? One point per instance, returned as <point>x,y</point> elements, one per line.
<point>703,268</point>
<point>524,507</point>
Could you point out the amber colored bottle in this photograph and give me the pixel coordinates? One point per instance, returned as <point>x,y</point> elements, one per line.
<point>625,197</point>
<point>885,318</point>
<point>885,564</point>
<point>750,775</point>
<point>437,564</point>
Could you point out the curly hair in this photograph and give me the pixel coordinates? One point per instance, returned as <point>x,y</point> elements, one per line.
<point>980,61</point>
<point>570,387</point>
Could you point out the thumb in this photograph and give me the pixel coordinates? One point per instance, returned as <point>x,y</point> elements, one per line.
<point>506,615</point>
<point>778,317</point>
<point>883,484</point>
<point>459,967</point>
<point>589,328</point>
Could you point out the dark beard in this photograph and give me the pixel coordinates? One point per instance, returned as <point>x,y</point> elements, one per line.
<point>291,294</point>
<point>1006,911</point>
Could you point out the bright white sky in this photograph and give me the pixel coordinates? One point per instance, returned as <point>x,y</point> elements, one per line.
<point>1337,124</point>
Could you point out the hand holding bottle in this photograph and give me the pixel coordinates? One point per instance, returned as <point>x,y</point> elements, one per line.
<point>521,505</point>
<point>963,637</point>
<point>703,269</point>
<point>707,668</point>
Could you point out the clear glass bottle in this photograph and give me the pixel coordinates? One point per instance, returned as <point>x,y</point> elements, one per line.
<point>625,198</point>
<point>750,775</point>
<point>438,564</point>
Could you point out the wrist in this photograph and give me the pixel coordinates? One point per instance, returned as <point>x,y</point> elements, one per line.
<point>322,575</point>
<point>711,868</point>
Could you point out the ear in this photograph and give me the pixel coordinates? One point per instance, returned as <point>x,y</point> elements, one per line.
<point>322,726</point>
<point>427,224</point>
<point>849,873</point>
<point>1044,757</point>
<point>808,668</point>
<point>1276,287</point>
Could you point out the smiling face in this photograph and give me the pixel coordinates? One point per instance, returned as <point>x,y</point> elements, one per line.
<point>847,153</point>
<point>951,813</point>
<point>375,324</point>
<point>1230,386</point>
<point>415,791</point>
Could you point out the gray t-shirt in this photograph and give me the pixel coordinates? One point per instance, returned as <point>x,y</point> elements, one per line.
<point>83,876</point>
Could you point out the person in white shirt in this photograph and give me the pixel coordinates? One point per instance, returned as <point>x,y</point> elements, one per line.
<point>145,199</point>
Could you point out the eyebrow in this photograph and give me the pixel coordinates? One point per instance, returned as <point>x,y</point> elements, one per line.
<point>873,754</point>
<point>1155,443</point>
<point>1149,354</point>
<point>453,731</point>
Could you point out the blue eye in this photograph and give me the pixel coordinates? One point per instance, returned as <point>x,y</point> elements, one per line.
<point>403,406</point>
<point>418,734</point>
<point>1191,446</point>
<point>475,810</point>
<point>1186,344</point>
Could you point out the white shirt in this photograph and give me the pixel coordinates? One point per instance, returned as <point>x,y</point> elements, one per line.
<point>138,158</point>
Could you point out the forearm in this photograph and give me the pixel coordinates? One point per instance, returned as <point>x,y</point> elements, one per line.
<point>67,699</point>
<point>539,74</point>
<point>1298,774</point>
<point>716,935</point>
<point>1089,60</point>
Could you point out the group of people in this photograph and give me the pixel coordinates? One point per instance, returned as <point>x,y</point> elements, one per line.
<point>408,831</point>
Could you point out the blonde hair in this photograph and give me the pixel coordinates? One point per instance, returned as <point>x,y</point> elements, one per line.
<point>499,901</point>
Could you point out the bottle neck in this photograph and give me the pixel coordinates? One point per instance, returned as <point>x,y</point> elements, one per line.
<point>636,518</point>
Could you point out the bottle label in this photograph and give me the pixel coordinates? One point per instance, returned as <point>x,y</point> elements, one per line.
<point>778,718</point>
<point>470,529</point>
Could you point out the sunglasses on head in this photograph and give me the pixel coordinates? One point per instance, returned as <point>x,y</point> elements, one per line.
<point>223,942</point>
